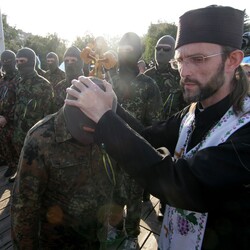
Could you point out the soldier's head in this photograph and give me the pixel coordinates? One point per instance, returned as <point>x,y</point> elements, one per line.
<point>73,63</point>
<point>52,61</point>
<point>129,52</point>
<point>26,61</point>
<point>164,51</point>
<point>8,59</point>
<point>78,124</point>
<point>130,48</point>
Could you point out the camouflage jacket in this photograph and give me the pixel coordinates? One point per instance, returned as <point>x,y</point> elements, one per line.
<point>60,93</point>
<point>141,97</point>
<point>61,186</point>
<point>34,100</point>
<point>54,77</point>
<point>171,93</point>
<point>40,72</point>
<point>8,96</point>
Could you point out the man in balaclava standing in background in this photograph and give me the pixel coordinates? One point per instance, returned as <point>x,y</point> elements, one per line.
<point>34,97</point>
<point>54,74</point>
<point>73,69</point>
<point>7,104</point>
<point>167,79</point>
<point>139,95</point>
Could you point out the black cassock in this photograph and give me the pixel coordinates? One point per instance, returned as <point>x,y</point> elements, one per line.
<point>216,180</point>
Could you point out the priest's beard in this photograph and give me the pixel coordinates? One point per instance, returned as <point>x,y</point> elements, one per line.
<point>203,91</point>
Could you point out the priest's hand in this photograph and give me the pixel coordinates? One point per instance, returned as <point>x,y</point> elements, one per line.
<point>90,99</point>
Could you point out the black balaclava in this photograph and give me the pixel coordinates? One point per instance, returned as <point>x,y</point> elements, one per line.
<point>164,52</point>
<point>8,59</point>
<point>75,119</point>
<point>53,66</point>
<point>73,70</point>
<point>128,68</point>
<point>26,69</point>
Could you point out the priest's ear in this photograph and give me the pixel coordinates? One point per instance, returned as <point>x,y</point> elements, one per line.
<point>233,60</point>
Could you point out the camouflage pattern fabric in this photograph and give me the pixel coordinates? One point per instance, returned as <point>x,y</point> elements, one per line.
<point>7,105</point>
<point>55,76</point>
<point>8,96</point>
<point>170,89</point>
<point>61,186</point>
<point>60,93</point>
<point>40,72</point>
<point>141,97</point>
<point>34,100</point>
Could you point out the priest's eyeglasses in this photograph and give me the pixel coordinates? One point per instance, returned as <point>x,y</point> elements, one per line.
<point>196,60</point>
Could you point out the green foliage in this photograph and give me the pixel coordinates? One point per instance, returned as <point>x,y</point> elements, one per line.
<point>16,39</point>
<point>11,36</point>
<point>82,42</point>
<point>43,45</point>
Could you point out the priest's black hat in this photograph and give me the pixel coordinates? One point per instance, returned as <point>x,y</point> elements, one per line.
<point>213,24</point>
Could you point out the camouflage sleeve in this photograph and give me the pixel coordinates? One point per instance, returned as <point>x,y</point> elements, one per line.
<point>128,118</point>
<point>60,93</point>
<point>47,105</point>
<point>28,189</point>
<point>9,103</point>
<point>154,104</point>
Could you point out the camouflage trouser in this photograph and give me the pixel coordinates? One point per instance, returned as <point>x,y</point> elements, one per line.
<point>7,148</point>
<point>129,193</point>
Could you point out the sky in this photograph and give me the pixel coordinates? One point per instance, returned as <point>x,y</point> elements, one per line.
<point>109,18</point>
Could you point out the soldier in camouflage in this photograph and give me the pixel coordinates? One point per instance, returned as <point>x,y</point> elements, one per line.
<point>7,104</point>
<point>34,97</point>
<point>73,69</point>
<point>54,74</point>
<point>168,81</point>
<point>138,94</point>
<point>166,78</point>
<point>63,192</point>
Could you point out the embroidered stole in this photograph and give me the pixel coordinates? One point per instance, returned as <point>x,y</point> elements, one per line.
<point>183,229</point>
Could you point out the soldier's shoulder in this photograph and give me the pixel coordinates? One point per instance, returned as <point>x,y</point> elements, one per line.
<point>43,124</point>
<point>62,83</point>
<point>150,72</point>
<point>47,73</point>
<point>42,78</point>
<point>41,81</point>
<point>145,78</point>
<point>148,82</point>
